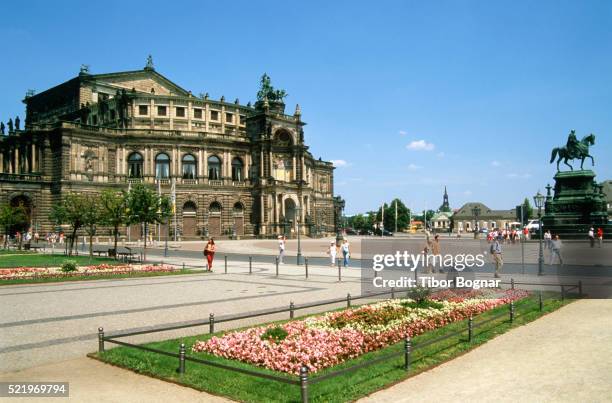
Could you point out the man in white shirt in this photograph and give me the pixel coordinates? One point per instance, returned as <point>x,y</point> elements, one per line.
<point>281,248</point>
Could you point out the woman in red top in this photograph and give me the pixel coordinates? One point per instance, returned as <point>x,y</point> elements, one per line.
<point>209,252</point>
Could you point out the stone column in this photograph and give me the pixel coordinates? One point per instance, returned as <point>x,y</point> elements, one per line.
<point>294,167</point>
<point>205,163</point>
<point>1,161</point>
<point>189,112</point>
<point>261,165</point>
<point>206,116</point>
<point>171,114</point>
<point>200,163</point>
<point>34,165</point>
<point>17,170</point>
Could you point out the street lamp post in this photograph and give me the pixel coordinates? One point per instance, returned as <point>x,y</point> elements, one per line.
<point>298,221</point>
<point>476,213</point>
<point>539,202</point>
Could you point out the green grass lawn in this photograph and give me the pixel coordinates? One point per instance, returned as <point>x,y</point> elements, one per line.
<point>345,387</point>
<point>12,259</point>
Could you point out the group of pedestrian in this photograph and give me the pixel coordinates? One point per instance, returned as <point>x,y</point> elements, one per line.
<point>333,249</point>
<point>506,235</point>
<point>599,234</point>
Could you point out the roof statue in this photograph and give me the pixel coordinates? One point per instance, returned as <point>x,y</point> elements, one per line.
<point>149,65</point>
<point>267,91</point>
<point>574,149</point>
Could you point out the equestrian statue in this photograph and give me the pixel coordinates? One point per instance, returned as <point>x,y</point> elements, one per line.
<point>574,150</point>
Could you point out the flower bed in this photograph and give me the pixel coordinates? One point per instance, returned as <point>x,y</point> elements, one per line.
<point>326,340</point>
<point>95,270</point>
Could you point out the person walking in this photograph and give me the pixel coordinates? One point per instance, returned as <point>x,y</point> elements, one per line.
<point>498,259</point>
<point>600,236</point>
<point>331,252</point>
<point>592,237</point>
<point>547,239</point>
<point>281,248</point>
<point>346,253</point>
<point>209,252</point>
<point>556,250</point>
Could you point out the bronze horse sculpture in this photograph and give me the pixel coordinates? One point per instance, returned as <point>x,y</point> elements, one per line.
<point>574,150</point>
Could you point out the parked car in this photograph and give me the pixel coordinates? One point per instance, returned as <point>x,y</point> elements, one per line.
<point>366,232</point>
<point>350,231</point>
<point>385,232</point>
<point>533,225</point>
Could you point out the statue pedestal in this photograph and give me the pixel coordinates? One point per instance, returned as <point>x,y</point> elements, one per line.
<point>578,204</point>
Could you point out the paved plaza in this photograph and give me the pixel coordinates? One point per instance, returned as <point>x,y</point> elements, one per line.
<point>47,329</point>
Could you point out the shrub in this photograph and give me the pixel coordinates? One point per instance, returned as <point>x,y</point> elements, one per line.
<point>419,294</point>
<point>275,334</point>
<point>68,266</point>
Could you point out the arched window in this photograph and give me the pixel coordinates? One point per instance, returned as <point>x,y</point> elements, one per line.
<point>237,170</point>
<point>214,167</point>
<point>238,208</point>
<point>215,208</point>
<point>135,165</point>
<point>189,167</point>
<point>162,166</point>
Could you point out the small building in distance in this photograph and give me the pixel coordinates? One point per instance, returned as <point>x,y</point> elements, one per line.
<point>464,219</point>
<point>442,220</point>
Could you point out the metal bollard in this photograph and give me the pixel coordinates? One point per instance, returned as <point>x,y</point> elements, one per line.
<point>291,309</point>
<point>276,262</point>
<point>211,323</point>
<point>348,300</point>
<point>100,340</point>
<point>250,264</point>
<point>183,265</point>
<point>225,263</point>
<point>339,271</point>
<point>407,351</point>
<point>511,312</point>
<point>470,329</point>
<point>580,288</point>
<point>306,266</point>
<point>181,368</point>
<point>512,284</point>
<point>392,292</point>
<point>304,383</point>
<point>541,301</point>
<point>375,274</point>
<point>562,293</point>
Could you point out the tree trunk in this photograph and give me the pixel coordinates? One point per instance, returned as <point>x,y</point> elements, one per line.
<point>90,246</point>
<point>116,236</point>
<point>144,251</point>
<point>72,239</point>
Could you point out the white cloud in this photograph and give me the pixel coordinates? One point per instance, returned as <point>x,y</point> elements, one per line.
<point>467,193</point>
<point>495,163</point>
<point>440,154</point>
<point>340,163</point>
<point>414,167</point>
<point>403,132</point>
<point>420,145</point>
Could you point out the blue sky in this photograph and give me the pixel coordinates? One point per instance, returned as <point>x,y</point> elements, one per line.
<point>405,96</point>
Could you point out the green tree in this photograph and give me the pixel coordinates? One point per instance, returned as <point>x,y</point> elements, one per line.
<point>114,212</point>
<point>11,216</point>
<point>403,215</point>
<point>144,206</point>
<point>72,210</point>
<point>91,218</point>
<point>527,210</point>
